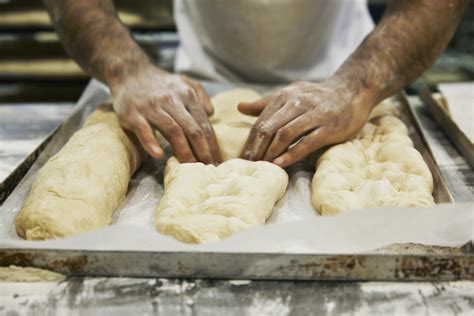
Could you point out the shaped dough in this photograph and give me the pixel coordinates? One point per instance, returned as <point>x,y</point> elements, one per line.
<point>28,274</point>
<point>203,203</point>
<point>380,167</point>
<point>80,187</point>
<point>232,128</point>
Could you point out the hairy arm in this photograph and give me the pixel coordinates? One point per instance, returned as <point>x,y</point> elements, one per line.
<point>93,35</point>
<point>408,39</point>
<point>145,97</point>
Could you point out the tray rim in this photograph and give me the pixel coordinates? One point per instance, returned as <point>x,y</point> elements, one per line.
<point>255,266</point>
<point>449,127</point>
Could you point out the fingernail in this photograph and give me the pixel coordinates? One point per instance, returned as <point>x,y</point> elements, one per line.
<point>279,161</point>
<point>157,150</point>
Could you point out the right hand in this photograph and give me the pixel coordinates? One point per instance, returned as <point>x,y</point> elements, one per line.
<point>176,106</point>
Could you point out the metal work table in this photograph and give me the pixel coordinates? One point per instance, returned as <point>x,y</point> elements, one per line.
<point>127,296</point>
<point>117,296</point>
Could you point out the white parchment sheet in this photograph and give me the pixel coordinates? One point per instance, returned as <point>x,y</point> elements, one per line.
<point>294,226</point>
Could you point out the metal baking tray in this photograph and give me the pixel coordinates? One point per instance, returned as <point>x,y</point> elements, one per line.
<point>10,182</point>
<point>451,129</point>
<point>396,262</point>
<point>406,267</point>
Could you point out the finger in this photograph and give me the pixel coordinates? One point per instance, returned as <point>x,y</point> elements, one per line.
<point>253,108</point>
<point>145,135</point>
<point>289,134</point>
<point>263,131</point>
<point>201,95</point>
<point>309,143</point>
<point>205,100</point>
<point>194,133</point>
<point>174,134</point>
<point>203,121</point>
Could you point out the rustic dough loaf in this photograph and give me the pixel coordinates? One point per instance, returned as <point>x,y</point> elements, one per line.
<point>379,167</point>
<point>203,203</point>
<point>28,274</point>
<point>80,187</point>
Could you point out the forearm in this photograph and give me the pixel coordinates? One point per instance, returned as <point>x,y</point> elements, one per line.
<point>145,97</point>
<point>94,36</point>
<point>408,39</point>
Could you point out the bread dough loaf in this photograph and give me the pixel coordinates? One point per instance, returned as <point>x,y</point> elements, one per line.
<point>28,274</point>
<point>379,167</point>
<point>80,187</point>
<point>203,203</point>
<point>232,128</point>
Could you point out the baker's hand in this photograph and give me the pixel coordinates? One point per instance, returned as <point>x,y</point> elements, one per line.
<point>176,106</point>
<point>301,118</point>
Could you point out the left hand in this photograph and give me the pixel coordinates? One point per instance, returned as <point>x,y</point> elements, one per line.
<point>308,115</point>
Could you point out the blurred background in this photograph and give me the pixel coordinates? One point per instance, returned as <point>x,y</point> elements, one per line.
<point>35,68</point>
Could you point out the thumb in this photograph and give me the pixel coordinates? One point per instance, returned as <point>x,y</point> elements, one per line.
<point>253,108</point>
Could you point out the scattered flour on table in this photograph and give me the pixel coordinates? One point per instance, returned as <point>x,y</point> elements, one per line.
<point>264,306</point>
<point>28,274</point>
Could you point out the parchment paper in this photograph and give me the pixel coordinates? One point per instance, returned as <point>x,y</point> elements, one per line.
<point>294,227</point>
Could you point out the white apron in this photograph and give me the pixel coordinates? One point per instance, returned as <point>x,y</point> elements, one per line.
<point>268,41</point>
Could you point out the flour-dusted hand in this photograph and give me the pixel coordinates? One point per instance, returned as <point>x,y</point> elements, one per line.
<point>302,117</point>
<point>311,115</point>
<point>175,105</point>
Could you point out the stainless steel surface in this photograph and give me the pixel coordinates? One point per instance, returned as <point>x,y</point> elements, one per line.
<point>451,129</point>
<point>137,296</point>
<point>411,267</point>
<point>458,175</point>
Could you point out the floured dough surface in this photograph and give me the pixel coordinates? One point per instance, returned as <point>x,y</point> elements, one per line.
<point>232,128</point>
<point>28,274</point>
<point>379,167</point>
<point>204,203</point>
<point>80,187</point>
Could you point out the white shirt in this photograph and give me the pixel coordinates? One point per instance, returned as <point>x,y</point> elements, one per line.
<point>268,41</point>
